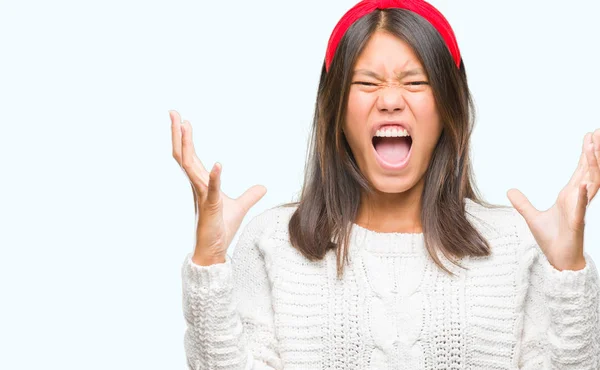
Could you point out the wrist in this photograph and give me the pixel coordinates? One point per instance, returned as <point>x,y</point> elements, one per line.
<point>576,265</point>
<point>204,260</point>
<point>580,265</point>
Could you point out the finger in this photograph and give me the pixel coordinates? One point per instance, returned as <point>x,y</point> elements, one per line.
<point>195,199</point>
<point>188,163</point>
<point>522,204</point>
<point>203,172</point>
<point>176,134</point>
<point>582,202</point>
<point>251,197</point>
<point>581,169</point>
<point>201,169</point>
<point>596,140</point>
<point>593,168</point>
<point>214,186</point>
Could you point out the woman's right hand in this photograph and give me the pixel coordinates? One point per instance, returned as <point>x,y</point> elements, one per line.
<point>218,216</point>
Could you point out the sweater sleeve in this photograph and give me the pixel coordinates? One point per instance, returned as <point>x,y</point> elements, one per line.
<point>228,312</point>
<point>561,314</point>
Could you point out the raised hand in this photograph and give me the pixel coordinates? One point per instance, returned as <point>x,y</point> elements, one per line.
<point>218,216</point>
<point>559,230</point>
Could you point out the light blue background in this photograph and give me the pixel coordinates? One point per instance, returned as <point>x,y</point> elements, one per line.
<point>97,216</point>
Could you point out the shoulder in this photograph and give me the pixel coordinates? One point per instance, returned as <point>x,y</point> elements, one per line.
<point>267,225</point>
<point>513,249</point>
<point>503,224</point>
<point>272,218</point>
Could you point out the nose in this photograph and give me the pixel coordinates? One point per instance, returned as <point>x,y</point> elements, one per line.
<point>390,98</point>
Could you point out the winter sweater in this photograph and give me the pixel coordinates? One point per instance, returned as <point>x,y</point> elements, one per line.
<point>268,307</point>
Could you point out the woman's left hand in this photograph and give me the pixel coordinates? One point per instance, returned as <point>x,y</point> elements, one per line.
<point>559,230</point>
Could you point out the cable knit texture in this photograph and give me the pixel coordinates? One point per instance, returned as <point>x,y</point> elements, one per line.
<point>268,307</point>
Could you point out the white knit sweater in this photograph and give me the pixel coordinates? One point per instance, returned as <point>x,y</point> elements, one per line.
<point>270,308</point>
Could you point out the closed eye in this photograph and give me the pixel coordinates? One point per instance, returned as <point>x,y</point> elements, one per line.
<point>409,83</point>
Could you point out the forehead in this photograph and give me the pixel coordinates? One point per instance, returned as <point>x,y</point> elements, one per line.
<point>385,52</point>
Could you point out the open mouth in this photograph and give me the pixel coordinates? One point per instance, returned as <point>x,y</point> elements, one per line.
<point>392,150</point>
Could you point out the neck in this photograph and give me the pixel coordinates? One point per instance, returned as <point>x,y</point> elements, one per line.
<point>392,212</point>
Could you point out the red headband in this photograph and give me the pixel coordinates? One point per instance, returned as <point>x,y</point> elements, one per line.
<point>420,7</point>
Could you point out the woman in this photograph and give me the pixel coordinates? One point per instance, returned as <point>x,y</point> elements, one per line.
<point>390,259</point>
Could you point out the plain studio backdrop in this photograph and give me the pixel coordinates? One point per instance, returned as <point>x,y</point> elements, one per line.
<point>97,216</point>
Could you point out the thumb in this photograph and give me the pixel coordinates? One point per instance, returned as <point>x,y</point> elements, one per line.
<point>251,196</point>
<point>521,204</point>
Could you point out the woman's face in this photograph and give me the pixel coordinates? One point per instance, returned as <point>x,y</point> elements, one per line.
<point>389,85</point>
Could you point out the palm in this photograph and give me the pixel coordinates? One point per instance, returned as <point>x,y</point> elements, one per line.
<point>234,210</point>
<point>218,216</point>
<point>559,230</point>
<point>558,225</point>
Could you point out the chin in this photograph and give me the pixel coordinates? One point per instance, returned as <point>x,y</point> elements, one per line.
<point>393,185</point>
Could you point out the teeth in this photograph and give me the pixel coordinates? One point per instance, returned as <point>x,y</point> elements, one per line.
<point>392,133</point>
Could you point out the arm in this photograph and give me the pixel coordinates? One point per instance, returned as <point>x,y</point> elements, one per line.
<point>561,322</point>
<point>228,312</point>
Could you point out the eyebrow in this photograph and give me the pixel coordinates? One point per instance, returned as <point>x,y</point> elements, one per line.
<point>411,72</point>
